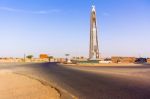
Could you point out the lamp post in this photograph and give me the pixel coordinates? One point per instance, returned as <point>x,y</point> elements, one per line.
<point>24,58</point>
<point>67,55</point>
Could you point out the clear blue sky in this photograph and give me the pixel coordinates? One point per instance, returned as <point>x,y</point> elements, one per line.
<point>57,27</point>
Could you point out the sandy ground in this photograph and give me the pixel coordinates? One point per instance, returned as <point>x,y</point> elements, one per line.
<point>15,86</point>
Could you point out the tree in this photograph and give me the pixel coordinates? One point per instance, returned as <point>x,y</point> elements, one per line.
<point>50,57</point>
<point>67,55</point>
<point>30,57</point>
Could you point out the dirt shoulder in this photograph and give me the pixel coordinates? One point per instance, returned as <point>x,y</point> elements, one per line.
<point>15,86</point>
<point>101,65</point>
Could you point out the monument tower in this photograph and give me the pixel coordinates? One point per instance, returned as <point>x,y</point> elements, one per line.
<point>94,48</point>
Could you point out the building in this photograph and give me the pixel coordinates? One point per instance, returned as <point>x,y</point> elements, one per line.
<point>148,60</point>
<point>94,48</point>
<point>123,59</point>
<point>10,60</point>
<point>43,56</point>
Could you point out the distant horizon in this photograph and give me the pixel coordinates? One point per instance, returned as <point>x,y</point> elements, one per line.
<point>59,27</point>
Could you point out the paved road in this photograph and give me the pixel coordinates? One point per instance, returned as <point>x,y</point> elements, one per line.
<point>96,82</point>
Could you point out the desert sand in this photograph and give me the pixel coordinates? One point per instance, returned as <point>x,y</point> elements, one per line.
<point>15,86</point>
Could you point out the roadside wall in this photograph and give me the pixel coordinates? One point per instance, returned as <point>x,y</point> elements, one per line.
<point>123,59</point>
<point>148,60</point>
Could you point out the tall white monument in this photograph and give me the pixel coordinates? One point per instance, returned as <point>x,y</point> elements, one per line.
<point>94,48</point>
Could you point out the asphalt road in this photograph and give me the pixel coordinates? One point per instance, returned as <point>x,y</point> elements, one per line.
<point>93,82</point>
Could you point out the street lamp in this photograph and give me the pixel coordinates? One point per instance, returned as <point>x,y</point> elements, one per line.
<point>67,55</point>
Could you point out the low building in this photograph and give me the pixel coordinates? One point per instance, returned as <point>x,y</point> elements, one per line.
<point>43,56</point>
<point>61,60</point>
<point>10,60</point>
<point>123,59</point>
<point>148,60</point>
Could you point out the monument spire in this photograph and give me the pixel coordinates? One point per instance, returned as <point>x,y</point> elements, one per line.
<point>94,48</point>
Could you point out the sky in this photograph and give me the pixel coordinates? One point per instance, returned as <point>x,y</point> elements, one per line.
<point>57,27</point>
